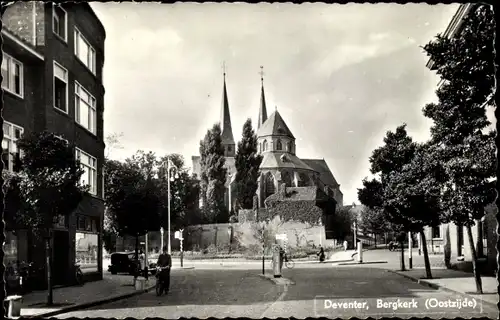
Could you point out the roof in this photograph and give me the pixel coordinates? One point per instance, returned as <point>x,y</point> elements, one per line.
<point>275,160</point>
<point>274,126</point>
<point>225,119</point>
<point>262,110</point>
<point>305,194</point>
<point>320,166</point>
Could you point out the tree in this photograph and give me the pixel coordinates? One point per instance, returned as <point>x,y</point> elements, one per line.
<point>398,150</point>
<point>413,198</point>
<point>132,201</point>
<point>213,176</point>
<point>113,142</point>
<point>342,221</point>
<point>48,183</point>
<point>466,64</point>
<point>184,190</point>
<point>247,167</point>
<point>373,221</point>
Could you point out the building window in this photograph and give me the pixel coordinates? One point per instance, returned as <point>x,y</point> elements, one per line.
<point>10,153</point>
<point>228,148</point>
<point>85,108</point>
<point>12,74</point>
<point>436,232</point>
<point>84,51</point>
<point>269,184</point>
<point>89,165</point>
<point>289,146</point>
<point>60,22</point>
<point>279,146</point>
<point>86,243</point>
<point>264,146</point>
<point>60,87</point>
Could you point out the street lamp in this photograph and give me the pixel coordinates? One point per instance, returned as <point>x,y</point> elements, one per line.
<point>161,240</point>
<point>170,165</point>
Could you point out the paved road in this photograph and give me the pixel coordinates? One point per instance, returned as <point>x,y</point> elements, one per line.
<point>243,293</point>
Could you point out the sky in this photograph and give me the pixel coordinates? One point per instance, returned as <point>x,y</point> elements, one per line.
<point>341,76</point>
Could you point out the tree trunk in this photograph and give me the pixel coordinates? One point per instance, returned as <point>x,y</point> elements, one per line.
<point>48,257</point>
<point>447,247</point>
<point>375,238</point>
<point>477,276</point>
<point>402,256</point>
<point>426,255</point>
<point>479,238</point>
<point>136,256</point>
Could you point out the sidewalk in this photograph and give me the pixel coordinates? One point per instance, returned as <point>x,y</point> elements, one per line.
<point>111,288</point>
<point>443,278</point>
<point>455,281</point>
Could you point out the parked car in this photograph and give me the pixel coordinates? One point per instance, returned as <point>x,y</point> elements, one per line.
<point>123,262</point>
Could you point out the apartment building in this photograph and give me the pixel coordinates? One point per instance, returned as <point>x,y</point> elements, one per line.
<point>484,232</point>
<point>52,66</point>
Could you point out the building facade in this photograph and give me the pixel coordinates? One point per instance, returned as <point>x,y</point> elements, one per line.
<point>280,164</point>
<point>53,57</point>
<point>484,232</point>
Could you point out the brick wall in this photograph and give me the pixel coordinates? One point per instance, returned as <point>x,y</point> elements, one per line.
<point>20,19</point>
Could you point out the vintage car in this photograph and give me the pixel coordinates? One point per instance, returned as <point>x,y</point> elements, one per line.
<point>125,262</point>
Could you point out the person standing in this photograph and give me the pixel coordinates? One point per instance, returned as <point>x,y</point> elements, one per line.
<point>165,263</point>
<point>345,245</point>
<point>321,254</point>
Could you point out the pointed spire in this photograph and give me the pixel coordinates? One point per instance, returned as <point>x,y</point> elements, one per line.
<point>225,121</point>
<point>262,109</point>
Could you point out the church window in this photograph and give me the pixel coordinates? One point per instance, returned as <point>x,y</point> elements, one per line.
<point>279,146</point>
<point>304,180</point>
<point>264,146</point>
<point>269,184</point>
<point>289,146</point>
<point>229,149</point>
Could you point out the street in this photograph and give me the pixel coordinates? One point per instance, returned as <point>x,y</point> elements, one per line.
<point>229,292</point>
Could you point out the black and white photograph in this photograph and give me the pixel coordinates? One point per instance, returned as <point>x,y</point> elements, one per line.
<point>267,160</point>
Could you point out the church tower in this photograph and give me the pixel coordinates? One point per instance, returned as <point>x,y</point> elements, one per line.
<point>225,123</point>
<point>262,110</point>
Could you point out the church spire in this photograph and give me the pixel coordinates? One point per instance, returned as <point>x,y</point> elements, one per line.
<point>262,109</point>
<point>225,122</point>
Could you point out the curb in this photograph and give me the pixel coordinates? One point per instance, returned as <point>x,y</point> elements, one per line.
<point>87,305</point>
<point>183,268</point>
<point>360,263</point>
<point>439,287</point>
<point>278,281</point>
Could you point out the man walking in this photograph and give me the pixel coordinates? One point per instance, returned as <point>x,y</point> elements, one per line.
<point>165,263</point>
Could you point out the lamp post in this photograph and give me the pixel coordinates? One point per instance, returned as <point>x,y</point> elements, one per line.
<point>230,234</point>
<point>170,165</point>
<point>161,239</point>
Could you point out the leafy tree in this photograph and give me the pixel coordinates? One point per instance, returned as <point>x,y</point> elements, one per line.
<point>47,185</point>
<point>466,64</point>
<point>113,142</point>
<point>373,221</point>
<point>213,176</point>
<point>413,198</point>
<point>398,150</point>
<point>132,201</point>
<point>247,163</point>
<point>343,221</point>
<point>184,190</point>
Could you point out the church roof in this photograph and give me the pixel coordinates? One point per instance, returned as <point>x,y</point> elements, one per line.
<point>225,120</point>
<point>274,126</point>
<point>262,110</point>
<point>319,165</point>
<point>283,160</point>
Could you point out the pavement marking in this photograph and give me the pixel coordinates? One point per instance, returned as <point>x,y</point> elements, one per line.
<point>280,298</point>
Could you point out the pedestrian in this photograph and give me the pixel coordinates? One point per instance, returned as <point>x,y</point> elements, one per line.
<point>321,254</point>
<point>345,245</point>
<point>142,262</point>
<point>165,263</point>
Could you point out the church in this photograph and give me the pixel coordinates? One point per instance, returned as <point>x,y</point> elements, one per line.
<point>280,164</point>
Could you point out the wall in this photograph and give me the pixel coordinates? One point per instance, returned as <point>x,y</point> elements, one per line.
<point>199,237</point>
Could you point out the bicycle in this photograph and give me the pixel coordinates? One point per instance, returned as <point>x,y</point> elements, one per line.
<point>160,287</point>
<point>289,264</point>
